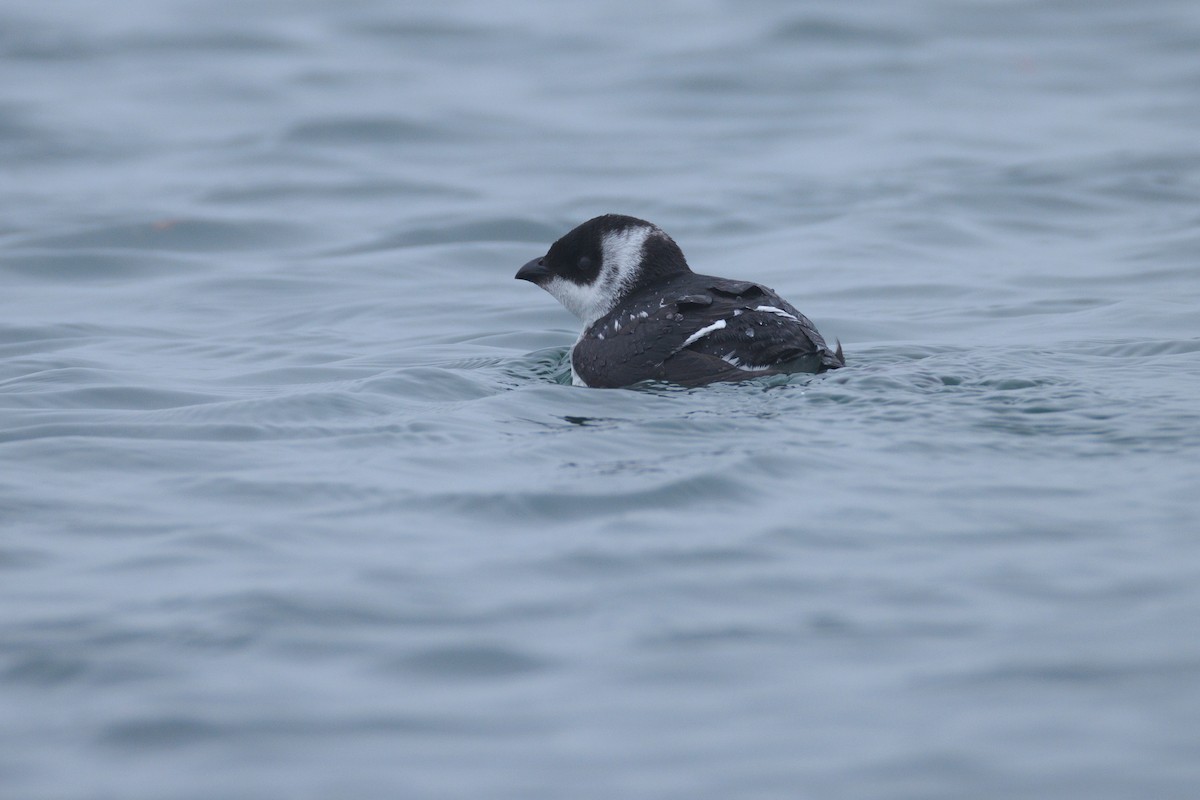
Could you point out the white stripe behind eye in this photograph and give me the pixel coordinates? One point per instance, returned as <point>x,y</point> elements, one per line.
<point>622,254</point>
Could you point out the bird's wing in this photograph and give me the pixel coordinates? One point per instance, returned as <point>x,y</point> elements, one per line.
<point>710,329</point>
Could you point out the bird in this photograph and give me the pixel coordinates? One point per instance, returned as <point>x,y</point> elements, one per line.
<point>647,317</point>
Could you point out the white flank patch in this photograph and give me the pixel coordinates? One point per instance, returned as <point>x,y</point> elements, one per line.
<point>778,311</point>
<point>753,367</point>
<point>705,331</point>
<point>733,361</point>
<point>575,379</point>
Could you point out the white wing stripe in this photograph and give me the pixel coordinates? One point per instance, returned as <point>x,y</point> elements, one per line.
<point>705,331</point>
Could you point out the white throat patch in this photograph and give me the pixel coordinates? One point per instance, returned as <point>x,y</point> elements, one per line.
<point>621,254</point>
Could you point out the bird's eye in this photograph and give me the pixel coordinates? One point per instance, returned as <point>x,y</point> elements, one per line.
<point>585,264</point>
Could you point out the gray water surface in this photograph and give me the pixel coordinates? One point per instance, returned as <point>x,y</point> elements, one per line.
<point>295,500</point>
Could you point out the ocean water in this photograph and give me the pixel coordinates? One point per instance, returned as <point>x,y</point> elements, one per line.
<point>296,500</point>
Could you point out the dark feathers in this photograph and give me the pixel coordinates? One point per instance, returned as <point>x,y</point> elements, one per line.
<point>647,316</point>
<point>649,336</point>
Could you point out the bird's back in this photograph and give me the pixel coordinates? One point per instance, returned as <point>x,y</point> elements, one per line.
<point>697,329</point>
